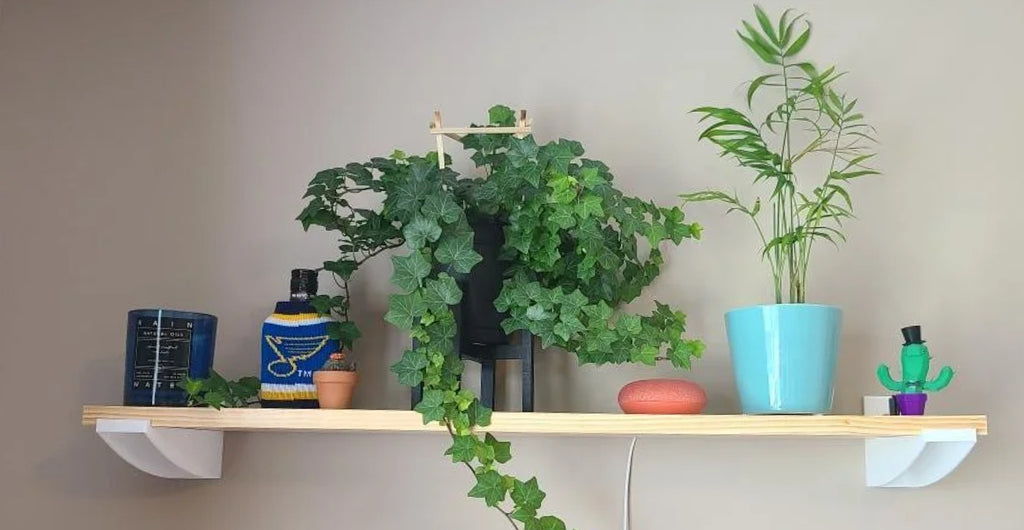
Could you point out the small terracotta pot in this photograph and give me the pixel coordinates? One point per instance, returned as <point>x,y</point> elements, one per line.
<point>334,388</point>
<point>662,396</point>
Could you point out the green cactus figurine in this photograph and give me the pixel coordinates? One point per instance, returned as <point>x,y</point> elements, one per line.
<point>915,362</point>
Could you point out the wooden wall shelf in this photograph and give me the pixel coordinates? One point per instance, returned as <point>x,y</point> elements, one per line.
<point>900,451</point>
<point>582,424</point>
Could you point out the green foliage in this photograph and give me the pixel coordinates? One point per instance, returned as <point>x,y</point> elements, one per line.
<point>217,392</point>
<point>362,234</point>
<point>577,248</point>
<point>807,116</point>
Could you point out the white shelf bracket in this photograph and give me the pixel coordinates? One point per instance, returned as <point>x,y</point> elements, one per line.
<point>916,461</point>
<point>164,452</point>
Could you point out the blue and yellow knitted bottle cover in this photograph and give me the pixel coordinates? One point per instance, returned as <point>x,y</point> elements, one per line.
<point>295,343</point>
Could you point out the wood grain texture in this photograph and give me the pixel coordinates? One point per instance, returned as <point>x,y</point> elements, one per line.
<point>537,422</point>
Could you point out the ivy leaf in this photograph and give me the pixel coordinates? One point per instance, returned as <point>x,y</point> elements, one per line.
<point>342,267</point>
<point>628,325</point>
<point>501,115</point>
<point>562,216</point>
<point>431,406</point>
<point>502,450</point>
<point>490,486</point>
<point>479,414</point>
<point>530,173</point>
<point>589,205</point>
<point>463,448</point>
<point>528,497</point>
<point>408,196</point>
<point>440,293</point>
<point>591,178</point>
<point>599,312</point>
<point>345,331</point>
<point>441,206</point>
<point>556,156</point>
<point>646,355</point>
<point>548,522</point>
<point>458,252</point>
<point>420,230</point>
<point>537,312</point>
<point>521,151</point>
<point>404,309</point>
<point>655,233</point>
<point>409,270</point>
<point>683,352</point>
<point>573,302</point>
<point>563,189</point>
<point>410,367</point>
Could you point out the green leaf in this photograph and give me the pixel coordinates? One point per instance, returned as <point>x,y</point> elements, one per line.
<point>562,216</point>
<point>522,151</point>
<point>766,25</point>
<point>419,231</point>
<point>440,293</point>
<point>537,312</point>
<point>441,206</point>
<point>404,309</point>
<point>479,414</point>
<point>645,355</point>
<point>345,331</point>
<point>490,486</point>
<point>655,233</point>
<point>463,448</point>
<point>754,85</point>
<point>528,498</point>
<point>409,270</point>
<point>628,324</point>
<point>342,267</point>
<point>502,450</point>
<point>410,367</point>
<point>431,406</point>
<point>799,43</point>
<point>761,51</point>
<point>599,312</point>
<point>589,205</point>
<point>592,178</point>
<point>501,115</point>
<point>458,252</point>
<point>556,156</point>
<point>548,522</point>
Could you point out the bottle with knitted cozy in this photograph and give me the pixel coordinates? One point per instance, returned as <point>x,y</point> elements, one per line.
<point>294,344</point>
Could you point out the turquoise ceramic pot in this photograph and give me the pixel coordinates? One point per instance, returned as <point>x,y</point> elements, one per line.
<point>784,357</point>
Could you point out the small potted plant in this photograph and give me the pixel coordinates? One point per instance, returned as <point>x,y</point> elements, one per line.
<point>335,382</point>
<point>915,362</point>
<point>784,354</point>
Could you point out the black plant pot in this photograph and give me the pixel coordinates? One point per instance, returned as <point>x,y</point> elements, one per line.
<point>479,336</point>
<point>480,323</point>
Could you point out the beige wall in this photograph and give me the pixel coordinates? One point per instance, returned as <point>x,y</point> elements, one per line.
<point>154,152</point>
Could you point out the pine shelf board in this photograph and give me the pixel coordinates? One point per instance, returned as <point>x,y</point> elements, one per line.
<point>546,423</point>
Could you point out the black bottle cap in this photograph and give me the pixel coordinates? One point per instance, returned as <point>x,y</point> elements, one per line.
<point>304,282</point>
<point>911,335</point>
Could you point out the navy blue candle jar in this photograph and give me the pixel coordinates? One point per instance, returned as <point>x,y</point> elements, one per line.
<point>163,347</point>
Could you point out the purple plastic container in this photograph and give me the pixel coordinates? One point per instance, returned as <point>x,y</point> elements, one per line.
<point>910,404</point>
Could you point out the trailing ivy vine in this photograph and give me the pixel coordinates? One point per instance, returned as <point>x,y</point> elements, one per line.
<point>576,246</point>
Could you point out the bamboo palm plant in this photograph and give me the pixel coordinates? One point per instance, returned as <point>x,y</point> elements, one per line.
<point>808,117</point>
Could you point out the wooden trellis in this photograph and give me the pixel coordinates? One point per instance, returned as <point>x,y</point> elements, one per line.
<point>521,129</point>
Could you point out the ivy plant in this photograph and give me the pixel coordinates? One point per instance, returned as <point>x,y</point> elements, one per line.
<point>362,234</point>
<point>808,118</point>
<point>217,392</point>
<point>577,248</point>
